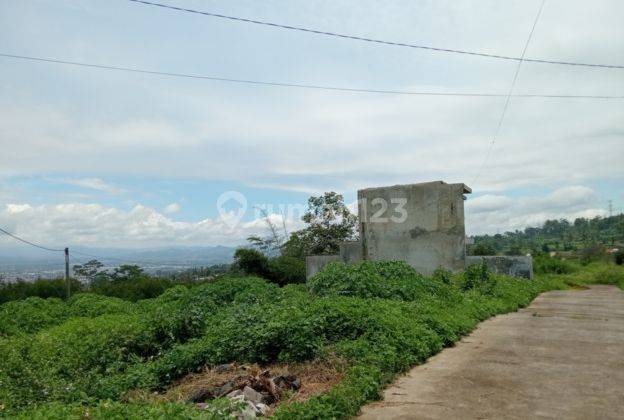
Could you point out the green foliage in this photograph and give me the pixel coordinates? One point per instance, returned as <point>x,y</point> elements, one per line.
<point>89,271</point>
<point>31,315</point>
<point>91,305</point>
<point>34,314</point>
<point>252,262</point>
<point>483,249</point>
<point>42,288</point>
<point>381,318</point>
<point>281,270</point>
<point>442,276</point>
<point>557,235</point>
<point>477,277</point>
<point>619,257</point>
<point>547,265</point>
<point>384,279</point>
<point>105,410</point>
<point>592,253</point>
<point>129,282</point>
<point>329,222</point>
<point>287,270</point>
<point>598,273</point>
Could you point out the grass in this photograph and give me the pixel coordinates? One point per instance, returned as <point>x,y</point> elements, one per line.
<point>102,356</point>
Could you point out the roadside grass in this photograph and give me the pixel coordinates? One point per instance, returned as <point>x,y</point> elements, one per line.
<point>379,318</point>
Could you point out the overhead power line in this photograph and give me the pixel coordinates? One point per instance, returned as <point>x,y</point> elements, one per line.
<point>511,88</point>
<point>298,85</point>
<point>376,41</point>
<point>73,251</point>
<point>102,258</point>
<point>30,243</point>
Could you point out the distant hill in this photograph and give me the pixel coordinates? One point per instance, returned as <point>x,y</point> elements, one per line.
<point>558,235</point>
<point>29,263</point>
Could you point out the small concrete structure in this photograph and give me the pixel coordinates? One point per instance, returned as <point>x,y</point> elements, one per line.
<point>315,263</point>
<point>519,266</point>
<point>421,224</point>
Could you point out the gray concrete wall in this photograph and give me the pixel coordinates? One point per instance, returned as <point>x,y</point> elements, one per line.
<point>351,252</point>
<point>422,224</point>
<point>518,266</point>
<point>316,263</point>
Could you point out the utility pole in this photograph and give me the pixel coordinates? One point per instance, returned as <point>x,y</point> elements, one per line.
<point>67,280</point>
<point>610,208</point>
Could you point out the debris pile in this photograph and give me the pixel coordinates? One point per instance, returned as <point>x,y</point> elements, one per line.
<point>256,391</point>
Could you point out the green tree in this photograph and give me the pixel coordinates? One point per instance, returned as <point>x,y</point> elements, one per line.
<point>89,271</point>
<point>483,249</point>
<point>329,222</point>
<point>252,262</point>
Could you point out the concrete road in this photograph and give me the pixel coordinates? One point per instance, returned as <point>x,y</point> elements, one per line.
<point>562,357</point>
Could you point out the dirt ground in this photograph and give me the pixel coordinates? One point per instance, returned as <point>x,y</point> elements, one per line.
<point>562,357</point>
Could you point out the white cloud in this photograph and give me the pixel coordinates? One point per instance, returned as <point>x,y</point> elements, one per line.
<point>59,120</point>
<point>100,226</point>
<point>91,183</point>
<point>172,208</point>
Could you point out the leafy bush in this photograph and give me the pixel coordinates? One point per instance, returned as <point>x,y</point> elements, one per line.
<point>252,262</point>
<point>548,265</point>
<point>477,277</point>
<point>619,257</point>
<point>91,305</point>
<point>379,317</point>
<point>384,279</point>
<point>482,249</point>
<point>67,362</point>
<point>34,314</point>
<point>42,288</point>
<point>218,409</point>
<point>287,270</point>
<point>31,315</point>
<point>281,270</point>
<point>129,284</point>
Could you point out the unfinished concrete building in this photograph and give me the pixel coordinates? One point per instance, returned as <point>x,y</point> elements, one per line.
<point>421,224</point>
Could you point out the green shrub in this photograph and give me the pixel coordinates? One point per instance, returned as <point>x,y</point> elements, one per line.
<point>31,315</point>
<point>619,257</point>
<point>544,264</point>
<point>42,288</point>
<point>287,270</point>
<point>381,318</point>
<point>482,249</point>
<point>281,270</point>
<point>477,277</point>
<point>105,410</point>
<point>252,262</point>
<point>66,362</point>
<point>132,289</point>
<point>91,305</point>
<point>34,314</point>
<point>384,279</point>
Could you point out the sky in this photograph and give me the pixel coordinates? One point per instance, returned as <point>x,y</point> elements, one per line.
<point>104,158</point>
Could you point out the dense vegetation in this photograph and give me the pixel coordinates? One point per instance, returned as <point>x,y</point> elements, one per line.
<point>127,282</point>
<point>589,236</point>
<point>86,355</point>
<point>43,288</point>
